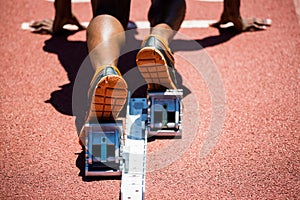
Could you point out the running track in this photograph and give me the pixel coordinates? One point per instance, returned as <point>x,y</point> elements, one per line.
<point>256,155</point>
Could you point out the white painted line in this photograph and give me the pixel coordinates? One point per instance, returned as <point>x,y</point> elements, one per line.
<point>25,26</point>
<point>141,24</point>
<point>185,24</point>
<point>197,23</point>
<point>74,1</point>
<point>229,24</point>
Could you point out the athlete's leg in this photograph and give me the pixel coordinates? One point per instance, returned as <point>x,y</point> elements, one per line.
<point>155,60</point>
<point>166,17</point>
<point>105,37</point>
<point>107,28</point>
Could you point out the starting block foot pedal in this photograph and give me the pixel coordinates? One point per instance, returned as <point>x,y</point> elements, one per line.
<point>102,149</point>
<point>165,113</point>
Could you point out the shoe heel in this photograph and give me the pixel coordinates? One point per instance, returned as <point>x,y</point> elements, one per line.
<point>109,98</point>
<point>153,68</point>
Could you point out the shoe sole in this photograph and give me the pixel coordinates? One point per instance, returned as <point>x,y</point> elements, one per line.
<point>108,98</point>
<point>153,67</point>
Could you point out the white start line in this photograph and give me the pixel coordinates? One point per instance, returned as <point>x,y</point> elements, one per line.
<point>142,24</point>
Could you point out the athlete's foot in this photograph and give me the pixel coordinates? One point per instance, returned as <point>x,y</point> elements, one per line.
<point>156,64</point>
<point>107,94</point>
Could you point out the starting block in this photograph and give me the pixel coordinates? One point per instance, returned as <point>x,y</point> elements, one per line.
<point>102,149</point>
<point>165,113</point>
<point>111,150</point>
<point>134,150</point>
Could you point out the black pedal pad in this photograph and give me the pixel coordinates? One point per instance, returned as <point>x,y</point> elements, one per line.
<point>165,113</point>
<point>102,149</point>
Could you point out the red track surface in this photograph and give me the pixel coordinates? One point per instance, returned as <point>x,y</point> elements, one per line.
<point>257,154</point>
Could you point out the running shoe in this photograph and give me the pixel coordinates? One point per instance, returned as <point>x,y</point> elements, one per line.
<point>155,61</point>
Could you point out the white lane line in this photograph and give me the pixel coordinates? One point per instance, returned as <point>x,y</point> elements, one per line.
<point>197,23</point>
<point>142,24</point>
<point>185,24</point>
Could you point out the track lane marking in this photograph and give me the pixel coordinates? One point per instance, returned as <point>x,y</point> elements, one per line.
<point>140,24</point>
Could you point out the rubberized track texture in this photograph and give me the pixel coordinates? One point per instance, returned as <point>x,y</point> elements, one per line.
<point>255,157</point>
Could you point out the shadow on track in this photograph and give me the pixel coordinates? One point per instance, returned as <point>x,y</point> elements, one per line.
<point>80,164</point>
<point>71,55</point>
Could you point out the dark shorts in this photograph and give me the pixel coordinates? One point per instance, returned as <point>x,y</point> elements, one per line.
<point>170,12</point>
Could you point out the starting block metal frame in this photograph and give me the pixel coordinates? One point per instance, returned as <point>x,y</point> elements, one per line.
<point>134,151</point>
<point>165,113</point>
<point>111,150</point>
<point>102,149</point>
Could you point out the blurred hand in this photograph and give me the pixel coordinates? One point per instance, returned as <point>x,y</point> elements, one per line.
<point>245,24</point>
<point>255,24</point>
<point>49,26</point>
